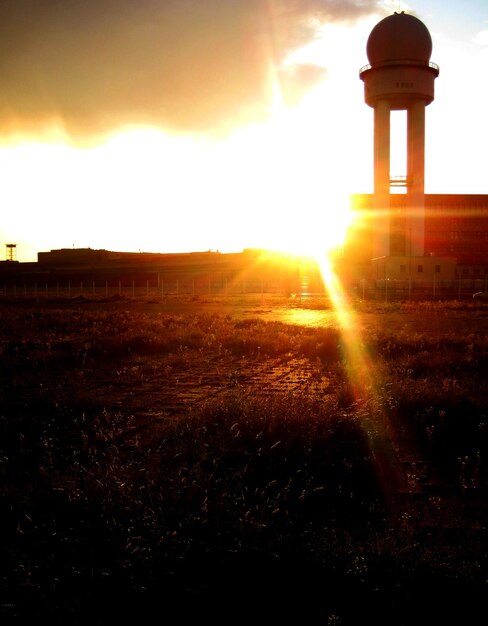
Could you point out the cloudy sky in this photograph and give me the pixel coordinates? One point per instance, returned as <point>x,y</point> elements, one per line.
<point>186,65</point>
<point>176,125</point>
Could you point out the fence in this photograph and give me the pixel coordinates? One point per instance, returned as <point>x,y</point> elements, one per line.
<point>380,290</point>
<point>135,289</point>
<point>392,289</point>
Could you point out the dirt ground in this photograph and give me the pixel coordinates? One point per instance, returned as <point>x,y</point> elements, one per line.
<point>151,390</point>
<point>307,311</point>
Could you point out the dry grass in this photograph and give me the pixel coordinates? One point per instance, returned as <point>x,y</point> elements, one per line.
<point>283,506</point>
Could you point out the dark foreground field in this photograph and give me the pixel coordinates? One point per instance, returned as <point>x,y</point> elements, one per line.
<point>243,462</point>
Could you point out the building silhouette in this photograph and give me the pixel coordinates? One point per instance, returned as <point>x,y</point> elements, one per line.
<point>86,271</point>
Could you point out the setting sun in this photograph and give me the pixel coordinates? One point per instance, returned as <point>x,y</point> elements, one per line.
<point>262,185</point>
<point>255,156</point>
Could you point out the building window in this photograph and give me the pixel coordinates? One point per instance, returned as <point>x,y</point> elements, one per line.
<point>420,268</point>
<point>437,269</point>
<point>403,269</point>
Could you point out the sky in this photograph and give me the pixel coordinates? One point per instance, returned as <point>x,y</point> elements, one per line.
<point>191,125</point>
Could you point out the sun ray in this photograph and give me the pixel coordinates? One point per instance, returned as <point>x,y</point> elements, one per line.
<point>367,383</point>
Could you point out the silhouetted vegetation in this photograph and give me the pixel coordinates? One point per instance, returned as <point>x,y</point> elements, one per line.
<point>336,502</point>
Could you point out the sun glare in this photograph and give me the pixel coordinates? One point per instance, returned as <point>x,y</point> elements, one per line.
<point>278,185</point>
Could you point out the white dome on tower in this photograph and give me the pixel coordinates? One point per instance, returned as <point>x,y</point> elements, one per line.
<point>399,70</point>
<point>399,37</point>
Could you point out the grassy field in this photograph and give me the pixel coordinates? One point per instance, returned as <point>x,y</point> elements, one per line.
<point>237,460</point>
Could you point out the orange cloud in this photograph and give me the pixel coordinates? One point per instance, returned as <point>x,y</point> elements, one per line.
<point>187,65</point>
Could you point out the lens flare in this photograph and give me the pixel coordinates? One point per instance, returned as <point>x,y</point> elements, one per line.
<point>366,381</point>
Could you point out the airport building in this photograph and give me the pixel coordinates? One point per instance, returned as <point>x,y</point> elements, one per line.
<point>399,231</point>
<point>86,271</point>
<point>455,232</point>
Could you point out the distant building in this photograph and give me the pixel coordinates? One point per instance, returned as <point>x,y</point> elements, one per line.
<point>455,227</point>
<point>90,271</point>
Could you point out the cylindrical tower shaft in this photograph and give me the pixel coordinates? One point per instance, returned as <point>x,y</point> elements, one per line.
<point>381,232</point>
<point>415,215</point>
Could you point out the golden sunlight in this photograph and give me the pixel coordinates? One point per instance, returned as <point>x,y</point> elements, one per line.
<point>281,184</point>
<point>265,186</point>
